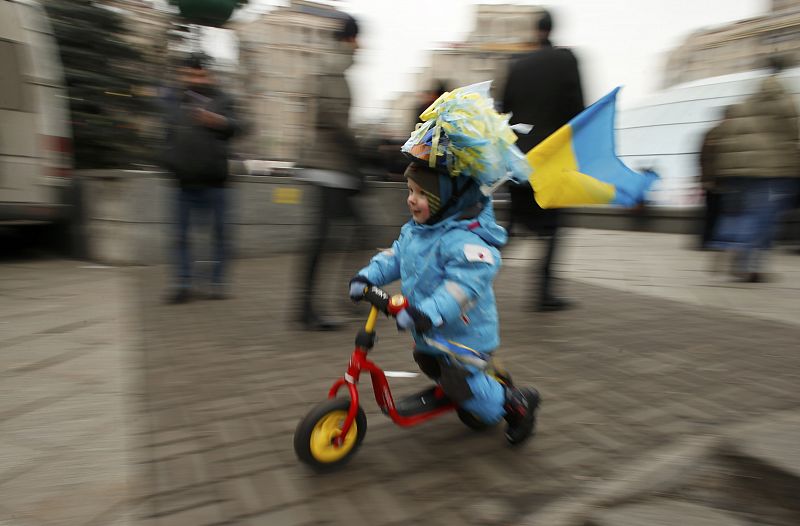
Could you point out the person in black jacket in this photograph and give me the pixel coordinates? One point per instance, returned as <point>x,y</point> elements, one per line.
<point>200,121</point>
<point>543,89</point>
<point>428,97</point>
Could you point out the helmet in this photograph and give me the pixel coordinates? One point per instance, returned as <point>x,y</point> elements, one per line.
<point>462,135</point>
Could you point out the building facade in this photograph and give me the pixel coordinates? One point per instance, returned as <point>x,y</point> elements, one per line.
<point>281,51</point>
<point>737,47</point>
<point>280,54</point>
<point>711,70</point>
<point>501,32</point>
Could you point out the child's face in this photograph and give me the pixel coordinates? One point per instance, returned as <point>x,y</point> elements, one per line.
<point>417,203</point>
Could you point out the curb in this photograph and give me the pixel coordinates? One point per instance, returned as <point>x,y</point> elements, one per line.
<point>764,450</point>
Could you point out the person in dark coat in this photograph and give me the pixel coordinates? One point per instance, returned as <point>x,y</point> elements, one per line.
<point>543,89</point>
<point>332,161</point>
<point>200,121</point>
<point>428,97</point>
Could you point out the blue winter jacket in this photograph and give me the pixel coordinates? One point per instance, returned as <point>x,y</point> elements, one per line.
<point>447,270</point>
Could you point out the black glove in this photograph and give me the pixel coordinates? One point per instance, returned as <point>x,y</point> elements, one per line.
<point>411,317</point>
<point>357,286</point>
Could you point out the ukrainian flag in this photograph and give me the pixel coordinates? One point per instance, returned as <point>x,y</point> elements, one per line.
<point>578,165</point>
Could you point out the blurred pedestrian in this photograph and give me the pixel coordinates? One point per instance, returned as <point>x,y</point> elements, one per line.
<point>543,89</point>
<point>428,97</point>
<point>332,162</point>
<point>757,167</point>
<point>200,121</point>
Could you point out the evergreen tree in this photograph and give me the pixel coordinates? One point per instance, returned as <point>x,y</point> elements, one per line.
<point>102,100</point>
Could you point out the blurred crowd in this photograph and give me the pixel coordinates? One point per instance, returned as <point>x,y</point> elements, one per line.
<point>749,160</point>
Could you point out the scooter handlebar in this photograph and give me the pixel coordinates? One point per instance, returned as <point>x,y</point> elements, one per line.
<point>380,299</point>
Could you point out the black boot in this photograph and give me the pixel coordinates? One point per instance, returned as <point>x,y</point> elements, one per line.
<point>178,296</point>
<point>311,321</point>
<point>521,406</point>
<point>551,303</point>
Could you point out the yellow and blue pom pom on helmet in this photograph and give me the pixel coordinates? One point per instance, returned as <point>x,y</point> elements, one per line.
<point>463,135</point>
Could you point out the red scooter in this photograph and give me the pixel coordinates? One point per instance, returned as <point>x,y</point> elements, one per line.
<point>331,432</point>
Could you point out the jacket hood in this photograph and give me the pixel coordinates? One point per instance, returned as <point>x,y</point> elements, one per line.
<point>476,216</point>
<point>467,187</point>
<point>487,227</point>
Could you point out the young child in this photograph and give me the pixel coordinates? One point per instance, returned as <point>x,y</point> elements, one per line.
<point>447,255</point>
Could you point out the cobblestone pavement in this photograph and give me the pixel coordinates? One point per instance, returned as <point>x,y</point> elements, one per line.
<point>116,409</point>
<point>65,381</point>
<point>225,383</point>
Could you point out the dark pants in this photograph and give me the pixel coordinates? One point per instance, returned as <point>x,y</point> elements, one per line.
<point>710,218</point>
<point>751,211</point>
<point>546,224</point>
<point>333,204</point>
<point>207,200</point>
<point>451,377</point>
<point>477,391</point>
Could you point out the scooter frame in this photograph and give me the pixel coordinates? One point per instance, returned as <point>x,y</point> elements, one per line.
<point>381,302</point>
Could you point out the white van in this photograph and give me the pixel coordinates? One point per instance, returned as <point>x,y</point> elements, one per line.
<point>35,138</point>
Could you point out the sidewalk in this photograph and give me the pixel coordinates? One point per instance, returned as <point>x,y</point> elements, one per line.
<point>198,402</point>
<point>621,375</point>
<point>662,266</point>
<point>66,373</point>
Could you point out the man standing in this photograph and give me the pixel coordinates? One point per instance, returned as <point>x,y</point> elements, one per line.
<point>200,122</point>
<point>543,89</point>
<point>332,163</point>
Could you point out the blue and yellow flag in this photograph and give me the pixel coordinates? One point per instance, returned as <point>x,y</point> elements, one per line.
<point>578,165</point>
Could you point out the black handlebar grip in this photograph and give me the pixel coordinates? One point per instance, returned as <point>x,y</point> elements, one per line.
<point>378,297</point>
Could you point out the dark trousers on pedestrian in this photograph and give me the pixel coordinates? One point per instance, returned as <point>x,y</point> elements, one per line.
<point>207,200</point>
<point>710,218</point>
<point>750,221</point>
<point>545,223</point>
<point>332,204</point>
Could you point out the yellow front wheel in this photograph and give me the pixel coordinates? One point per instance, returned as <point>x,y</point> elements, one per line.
<point>315,439</point>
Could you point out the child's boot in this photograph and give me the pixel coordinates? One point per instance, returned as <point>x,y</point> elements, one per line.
<point>521,406</point>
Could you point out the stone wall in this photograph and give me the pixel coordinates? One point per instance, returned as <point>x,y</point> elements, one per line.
<point>128,217</point>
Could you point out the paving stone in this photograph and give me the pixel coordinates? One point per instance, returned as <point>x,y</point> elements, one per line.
<point>299,515</point>
<point>176,473</point>
<point>241,496</point>
<point>663,513</point>
<point>772,441</point>
<point>34,497</point>
<point>201,515</point>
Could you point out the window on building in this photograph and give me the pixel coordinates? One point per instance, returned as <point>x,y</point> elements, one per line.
<point>11,81</point>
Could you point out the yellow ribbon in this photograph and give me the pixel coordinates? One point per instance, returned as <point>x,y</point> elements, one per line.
<point>434,147</point>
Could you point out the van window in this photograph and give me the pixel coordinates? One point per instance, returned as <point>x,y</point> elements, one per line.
<point>11,97</point>
<point>44,60</point>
